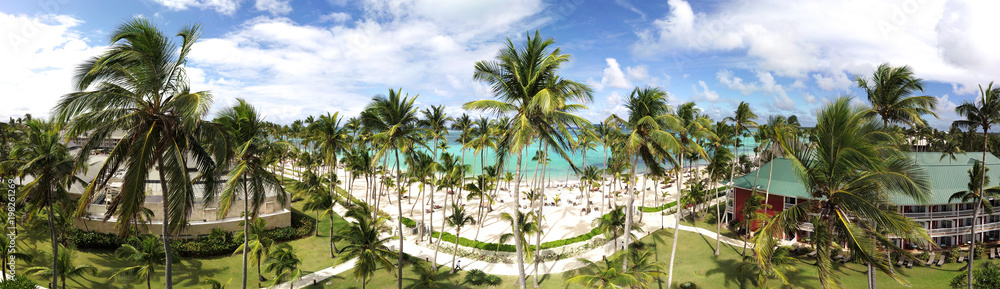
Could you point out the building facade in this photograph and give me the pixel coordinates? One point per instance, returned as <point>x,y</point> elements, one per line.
<point>948,223</point>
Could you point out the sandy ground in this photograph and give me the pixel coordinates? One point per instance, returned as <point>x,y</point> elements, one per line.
<point>564,219</point>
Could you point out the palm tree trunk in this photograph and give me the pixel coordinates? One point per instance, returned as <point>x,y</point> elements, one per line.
<point>975,211</point>
<point>454,254</point>
<point>168,260</point>
<point>677,225</point>
<point>399,220</point>
<point>732,172</point>
<point>767,190</point>
<point>642,201</point>
<point>871,275</point>
<point>55,243</point>
<point>333,245</point>
<point>246,230</point>
<point>604,187</point>
<point>148,286</point>
<point>538,236</point>
<point>517,231</point>
<point>631,209</point>
<point>746,223</point>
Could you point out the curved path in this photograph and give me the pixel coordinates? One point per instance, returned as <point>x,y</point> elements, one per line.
<point>549,267</point>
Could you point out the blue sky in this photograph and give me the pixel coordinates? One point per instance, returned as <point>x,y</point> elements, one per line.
<point>294,58</point>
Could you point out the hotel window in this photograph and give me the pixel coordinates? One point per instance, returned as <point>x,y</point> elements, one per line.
<point>944,224</point>
<point>918,209</point>
<point>994,218</point>
<point>790,200</point>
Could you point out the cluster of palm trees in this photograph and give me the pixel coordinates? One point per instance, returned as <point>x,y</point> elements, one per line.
<point>849,161</point>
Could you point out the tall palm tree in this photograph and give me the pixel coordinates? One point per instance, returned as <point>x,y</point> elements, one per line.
<point>849,173</point>
<point>527,87</point>
<point>648,116</point>
<point>332,139</point>
<point>66,267</point>
<point>435,121</point>
<point>145,252</point>
<point>257,244</point>
<point>458,219</point>
<point>983,113</point>
<point>428,278</point>
<point>395,119</point>
<point>364,243</point>
<point>642,264</point>
<point>285,265</point>
<point>140,88</point>
<point>479,189</point>
<point>889,90</point>
<point>742,121</point>
<point>249,181</point>
<point>613,224</point>
<point>41,155</point>
<point>526,226</point>
<point>975,193</point>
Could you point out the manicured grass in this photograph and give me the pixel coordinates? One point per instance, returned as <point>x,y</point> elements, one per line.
<point>188,272</point>
<point>696,263</point>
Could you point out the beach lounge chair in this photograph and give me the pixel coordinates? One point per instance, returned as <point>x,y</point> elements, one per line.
<point>846,259</point>
<point>812,254</point>
<point>993,253</point>
<point>900,262</point>
<point>941,260</point>
<point>930,260</point>
<point>909,264</point>
<point>961,257</point>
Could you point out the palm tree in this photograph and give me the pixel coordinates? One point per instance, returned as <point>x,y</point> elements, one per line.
<point>889,90</point>
<point>435,121</point>
<point>395,120</point>
<point>525,82</point>
<point>331,139</point>
<point>320,202</point>
<point>141,89</point>
<point>215,284</point>
<point>285,265</point>
<point>978,195</point>
<point>65,266</point>
<point>607,276</point>
<point>145,252</point>
<point>249,180</point>
<point>364,243</point>
<point>428,278</point>
<point>848,173</point>
<point>613,224</point>
<point>479,189</point>
<point>742,121</point>
<point>983,113</point>
<point>525,224</point>
<point>781,261</point>
<point>41,155</point>
<point>642,265</point>
<point>458,219</point>
<point>257,244</point>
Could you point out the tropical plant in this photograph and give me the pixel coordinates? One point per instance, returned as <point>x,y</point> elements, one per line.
<point>364,243</point>
<point>609,275</point>
<point>987,276</point>
<point>527,87</point>
<point>782,261</point>
<point>849,173</point>
<point>526,226</point>
<point>215,284</point>
<point>395,119</point>
<point>458,219</point>
<point>258,244</point>
<point>42,156</point>
<point>146,253</point>
<point>285,265</point>
<point>141,89</point>
<point>249,180</point>
<point>613,224</point>
<point>983,113</point>
<point>428,278</point>
<point>66,267</point>
<point>889,90</point>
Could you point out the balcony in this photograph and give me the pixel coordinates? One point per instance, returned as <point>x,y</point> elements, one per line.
<point>935,215</point>
<point>963,230</point>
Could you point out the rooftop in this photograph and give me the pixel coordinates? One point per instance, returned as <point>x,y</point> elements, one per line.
<point>947,176</point>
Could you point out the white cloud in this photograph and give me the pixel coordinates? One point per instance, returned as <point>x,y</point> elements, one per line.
<point>335,17</point>
<point>613,76</point>
<point>638,73</point>
<point>765,83</point>
<point>615,105</point>
<point>275,7</point>
<point>963,89</point>
<point>946,41</point>
<point>809,98</point>
<point>39,58</point>
<point>625,4</point>
<point>705,93</point>
<point>227,7</point>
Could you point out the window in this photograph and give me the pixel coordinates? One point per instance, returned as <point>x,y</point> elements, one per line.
<point>944,224</point>
<point>790,200</point>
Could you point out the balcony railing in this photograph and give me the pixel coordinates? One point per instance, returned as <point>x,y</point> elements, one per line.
<point>930,215</point>
<point>963,230</point>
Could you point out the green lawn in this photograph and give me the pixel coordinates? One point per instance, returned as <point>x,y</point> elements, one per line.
<point>188,272</point>
<point>696,263</point>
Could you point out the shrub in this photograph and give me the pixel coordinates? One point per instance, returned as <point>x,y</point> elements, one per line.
<point>18,282</point>
<point>688,285</point>
<point>475,277</point>
<point>980,251</point>
<point>409,223</point>
<point>94,240</point>
<point>952,254</point>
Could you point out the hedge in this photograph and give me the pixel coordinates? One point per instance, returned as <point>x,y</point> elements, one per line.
<point>409,223</point>
<point>448,237</point>
<point>217,244</point>
<point>719,191</point>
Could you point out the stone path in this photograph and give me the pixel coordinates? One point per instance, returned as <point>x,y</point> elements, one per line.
<point>418,251</point>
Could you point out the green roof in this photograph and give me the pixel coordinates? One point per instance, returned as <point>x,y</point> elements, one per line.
<point>947,176</point>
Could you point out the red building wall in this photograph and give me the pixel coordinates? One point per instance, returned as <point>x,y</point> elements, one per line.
<point>741,195</point>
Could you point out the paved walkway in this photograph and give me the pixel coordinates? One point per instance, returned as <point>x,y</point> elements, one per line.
<point>651,225</point>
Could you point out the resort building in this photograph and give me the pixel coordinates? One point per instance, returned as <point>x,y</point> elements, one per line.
<point>946,222</point>
<point>204,216</point>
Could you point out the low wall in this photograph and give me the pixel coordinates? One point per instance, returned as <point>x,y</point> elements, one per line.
<point>194,229</point>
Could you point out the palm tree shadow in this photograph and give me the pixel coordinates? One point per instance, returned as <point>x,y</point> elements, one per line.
<point>192,270</point>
